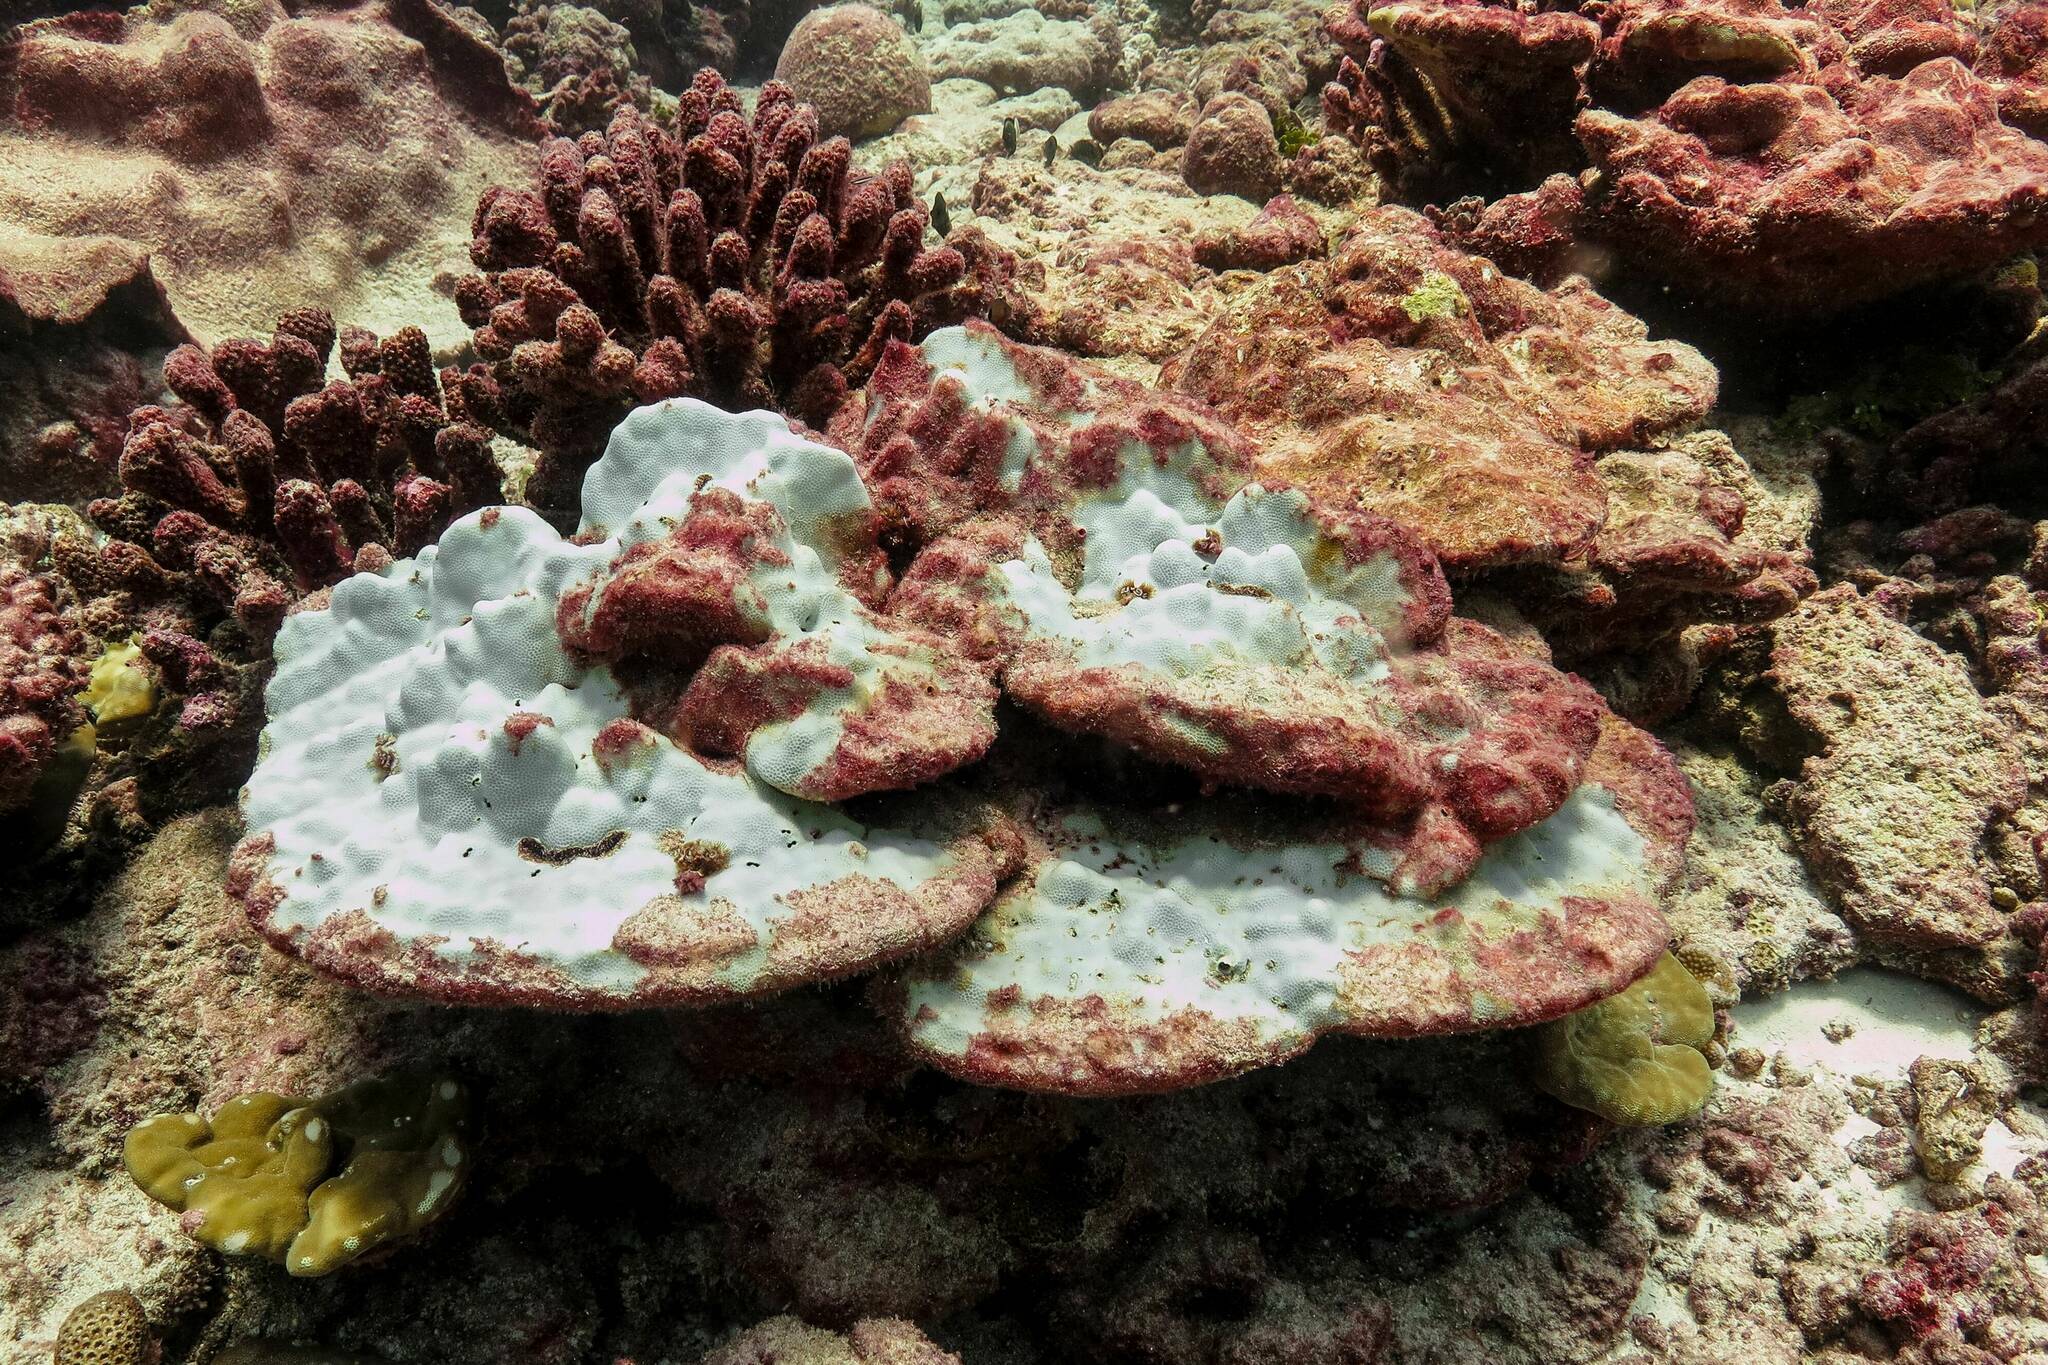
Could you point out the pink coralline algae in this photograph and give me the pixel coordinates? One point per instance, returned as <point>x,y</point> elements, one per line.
<point>43,665</point>
<point>1797,161</point>
<point>745,263</point>
<point>938,466</point>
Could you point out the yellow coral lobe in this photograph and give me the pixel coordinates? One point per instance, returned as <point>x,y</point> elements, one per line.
<point>120,687</point>
<point>1634,1059</point>
<point>314,1184</point>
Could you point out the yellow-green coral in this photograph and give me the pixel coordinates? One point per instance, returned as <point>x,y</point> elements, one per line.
<point>120,687</point>
<point>1634,1058</point>
<point>309,1184</point>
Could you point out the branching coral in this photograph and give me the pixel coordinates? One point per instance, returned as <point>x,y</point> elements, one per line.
<point>310,1184</point>
<point>745,263</point>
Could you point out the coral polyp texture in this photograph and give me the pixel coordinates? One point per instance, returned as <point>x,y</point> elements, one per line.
<point>310,1184</point>
<point>1795,159</point>
<point>744,262</point>
<point>1634,1058</point>
<point>458,800</point>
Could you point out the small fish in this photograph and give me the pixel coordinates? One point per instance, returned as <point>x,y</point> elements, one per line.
<point>1086,151</point>
<point>1052,149</point>
<point>942,221</point>
<point>916,16</point>
<point>1009,137</point>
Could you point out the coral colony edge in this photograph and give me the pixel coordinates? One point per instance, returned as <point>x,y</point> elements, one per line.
<point>960,682</point>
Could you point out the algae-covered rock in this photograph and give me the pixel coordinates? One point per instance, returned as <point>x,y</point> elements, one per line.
<point>1634,1058</point>
<point>310,1184</point>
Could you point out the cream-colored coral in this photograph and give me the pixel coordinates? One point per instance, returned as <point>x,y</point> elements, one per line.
<point>1634,1058</point>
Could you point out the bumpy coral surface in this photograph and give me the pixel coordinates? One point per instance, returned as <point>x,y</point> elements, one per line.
<point>1795,159</point>
<point>310,1184</point>
<point>1419,381</point>
<point>854,65</point>
<point>43,666</point>
<point>743,262</point>
<point>266,157</point>
<point>558,846</point>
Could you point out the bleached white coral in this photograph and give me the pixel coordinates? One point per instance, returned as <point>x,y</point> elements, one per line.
<point>450,803</point>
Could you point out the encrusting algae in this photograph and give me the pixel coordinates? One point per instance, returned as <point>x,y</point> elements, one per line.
<point>312,1184</point>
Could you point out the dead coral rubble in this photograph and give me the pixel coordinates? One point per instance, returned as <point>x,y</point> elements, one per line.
<point>746,263</point>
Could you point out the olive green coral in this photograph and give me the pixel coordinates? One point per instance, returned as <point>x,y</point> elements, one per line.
<point>1634,1058</point>
<point>107,1329</point>
<point>311,1184</point>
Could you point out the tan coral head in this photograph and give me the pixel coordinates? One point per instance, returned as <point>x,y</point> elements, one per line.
<point>1634,1058</point>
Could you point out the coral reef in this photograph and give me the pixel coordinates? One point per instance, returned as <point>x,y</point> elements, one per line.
<point>996,712</point>
<point>746,263</point>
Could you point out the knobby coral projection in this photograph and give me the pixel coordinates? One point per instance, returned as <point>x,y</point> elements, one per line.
<point>664,761</point>
<point>740,261</point>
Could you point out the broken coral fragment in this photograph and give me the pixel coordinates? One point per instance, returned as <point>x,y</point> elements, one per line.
<point>310,1184</point>
<point>1634,1058</point>
<point>1147,951</point>
<point>454,803</point>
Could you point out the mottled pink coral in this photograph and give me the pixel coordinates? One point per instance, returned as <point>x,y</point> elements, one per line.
<point>1422,382</point>
<point>1796,160</point>
<point>43,665</point>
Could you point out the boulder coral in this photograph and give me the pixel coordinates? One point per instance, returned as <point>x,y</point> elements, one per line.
<point>857,68</point>
<point>266,157</point>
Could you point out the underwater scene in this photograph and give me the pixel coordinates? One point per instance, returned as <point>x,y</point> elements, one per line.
<point>954,682</point>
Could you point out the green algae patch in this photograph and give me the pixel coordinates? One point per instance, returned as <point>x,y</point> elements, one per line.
<point>310,1184</point>
<point>1634,1058</point>
<point>1438,296</point>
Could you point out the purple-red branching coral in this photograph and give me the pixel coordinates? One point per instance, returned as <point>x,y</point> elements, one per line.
<point>743,262</point>
<point>267,483</point>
